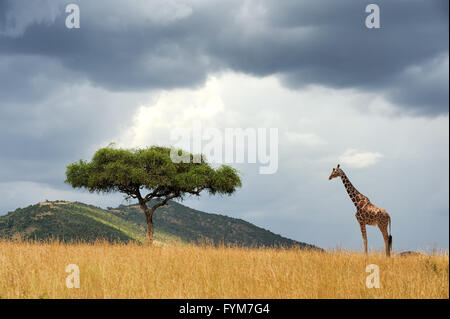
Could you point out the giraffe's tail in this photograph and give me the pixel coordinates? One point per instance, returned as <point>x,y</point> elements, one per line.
<point>390,235</point>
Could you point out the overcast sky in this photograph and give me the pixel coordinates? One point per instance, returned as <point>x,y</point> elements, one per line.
<point>373,100</point>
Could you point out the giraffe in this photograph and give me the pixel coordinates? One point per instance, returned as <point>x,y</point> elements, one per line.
<point>366,212</point>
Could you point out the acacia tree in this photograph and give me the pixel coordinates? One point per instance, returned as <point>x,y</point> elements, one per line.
<point>150,173</point>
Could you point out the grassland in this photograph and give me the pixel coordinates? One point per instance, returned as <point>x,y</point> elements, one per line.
<point>37,270</point>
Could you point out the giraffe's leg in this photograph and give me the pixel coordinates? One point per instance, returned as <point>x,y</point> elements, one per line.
<point>384,232</point>
<point>364,235</point>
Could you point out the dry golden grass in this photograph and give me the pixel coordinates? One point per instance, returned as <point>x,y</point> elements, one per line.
<point>33,270</point>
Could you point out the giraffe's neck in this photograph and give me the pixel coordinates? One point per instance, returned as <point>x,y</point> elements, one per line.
<point>351,190</point>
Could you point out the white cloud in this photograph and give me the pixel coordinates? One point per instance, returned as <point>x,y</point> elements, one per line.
<point>355,158</point>
<point>153,122</point>
<point>307,139</point>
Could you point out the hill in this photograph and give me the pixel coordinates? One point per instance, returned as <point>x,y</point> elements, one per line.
<point>71,221</point>
<point>66,221</point>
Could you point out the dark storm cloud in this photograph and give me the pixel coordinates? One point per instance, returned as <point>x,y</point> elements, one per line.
<point>327,43</point>
<point>52,78</point>
<point>304,42</point>
<point>50,117</point>
<point>139,56</point>
<point>3,9</point>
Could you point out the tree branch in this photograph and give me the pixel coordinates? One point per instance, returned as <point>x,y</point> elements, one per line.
<point>139,196</point>
<point>164,201</point>
<point>151,195</point>
<point>196,192</point>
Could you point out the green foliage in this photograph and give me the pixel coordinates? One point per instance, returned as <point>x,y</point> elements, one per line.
<point>131,170</point>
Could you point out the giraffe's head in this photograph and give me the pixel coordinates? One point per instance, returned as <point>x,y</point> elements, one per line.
<point>335,173</point>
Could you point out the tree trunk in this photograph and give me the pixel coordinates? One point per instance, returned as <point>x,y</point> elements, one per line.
<point>150,228</point>
<point>149,218</point>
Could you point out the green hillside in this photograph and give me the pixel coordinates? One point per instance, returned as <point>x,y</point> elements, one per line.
<point>69,221</point>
